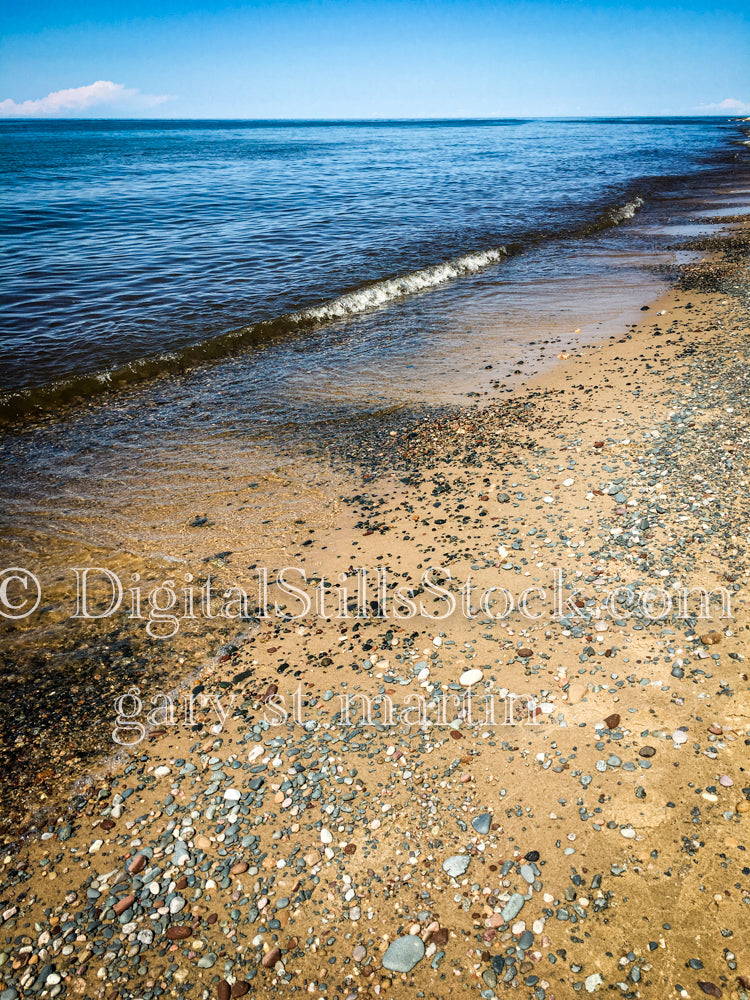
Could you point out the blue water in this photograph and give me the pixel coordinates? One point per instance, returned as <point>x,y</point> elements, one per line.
<point>125,240</point>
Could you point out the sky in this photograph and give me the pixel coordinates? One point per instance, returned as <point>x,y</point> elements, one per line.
<point>373,58</point>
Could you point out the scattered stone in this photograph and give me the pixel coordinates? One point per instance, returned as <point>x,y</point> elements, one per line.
<point>710,989</point>
<point>179,933</point>
<point>482,823</point>
<point>513,907</point>
<point>404,953</point>
<point>271,958</point>
<point>456,865</point>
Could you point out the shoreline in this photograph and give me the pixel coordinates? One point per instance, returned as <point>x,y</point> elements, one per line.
<point>58,672</point>
<point>340,862</point>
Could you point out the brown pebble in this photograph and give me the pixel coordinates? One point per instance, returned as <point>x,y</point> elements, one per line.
<point>525,651</point>
<point>646,752</point>
<point>350,849</point>
<point>179,933</point>
<point>107,824</point>
<point>181,883</point>
<point>240,989</point>
<point>123,904</point>
<point>272,688</point>
<point>715,728</point>
<point>239,868</point>
<point>212,918</point>
<point>223,990</point>
<point>710,988</point>
<point>137,864</point>
<point>612,721</point>
<point>711,639</point>
<point>439,937</point>
<point>271,958</point>
<point>598,444</point>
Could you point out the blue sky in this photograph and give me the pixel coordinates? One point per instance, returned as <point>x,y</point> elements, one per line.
<point>350,59</point>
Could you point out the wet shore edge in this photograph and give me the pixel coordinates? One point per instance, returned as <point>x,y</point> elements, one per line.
<point>271,843</point>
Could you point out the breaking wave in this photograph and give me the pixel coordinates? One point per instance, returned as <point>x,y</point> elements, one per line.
<point>373,295</point>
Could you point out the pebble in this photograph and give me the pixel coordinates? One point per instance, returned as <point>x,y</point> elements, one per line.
<point>404,953</point>
<point>513,907</point>
<point>470,677</point>
<point>710,989</point>
<point>271,958</point>
<point>178,933</point>
<point>482,823</point>
<point>528,874</point>
<point>456,865</point>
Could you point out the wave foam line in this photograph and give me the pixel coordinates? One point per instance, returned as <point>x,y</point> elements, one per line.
<point>624,212</point>
<point>381,292</point>
<point>22,402</point>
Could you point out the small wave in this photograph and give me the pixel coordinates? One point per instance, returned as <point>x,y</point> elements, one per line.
<point>17,404</point>
<point>624,212</point>
<point>381,292</point>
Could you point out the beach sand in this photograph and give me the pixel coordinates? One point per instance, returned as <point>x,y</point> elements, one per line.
<point>598,844</point>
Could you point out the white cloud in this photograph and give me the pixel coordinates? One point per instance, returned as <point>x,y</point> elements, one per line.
<point>77,99</point>
<point>729,105</point>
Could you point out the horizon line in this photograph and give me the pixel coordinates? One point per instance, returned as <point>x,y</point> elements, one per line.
<point>380,118</point>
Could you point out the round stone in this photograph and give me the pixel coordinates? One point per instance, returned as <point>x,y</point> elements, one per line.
<point>469,677</point>
<point>404,953</point>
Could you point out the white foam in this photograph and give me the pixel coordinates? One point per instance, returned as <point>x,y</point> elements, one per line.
<point>626,211</point>
<point>381,292</point>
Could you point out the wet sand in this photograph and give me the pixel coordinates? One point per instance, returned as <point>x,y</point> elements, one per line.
<point>598,843</point>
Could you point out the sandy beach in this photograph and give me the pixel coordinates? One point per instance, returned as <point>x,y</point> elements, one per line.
<point>578,826</point>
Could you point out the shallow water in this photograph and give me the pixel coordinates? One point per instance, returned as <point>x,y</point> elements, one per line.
<point>128,240</point>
